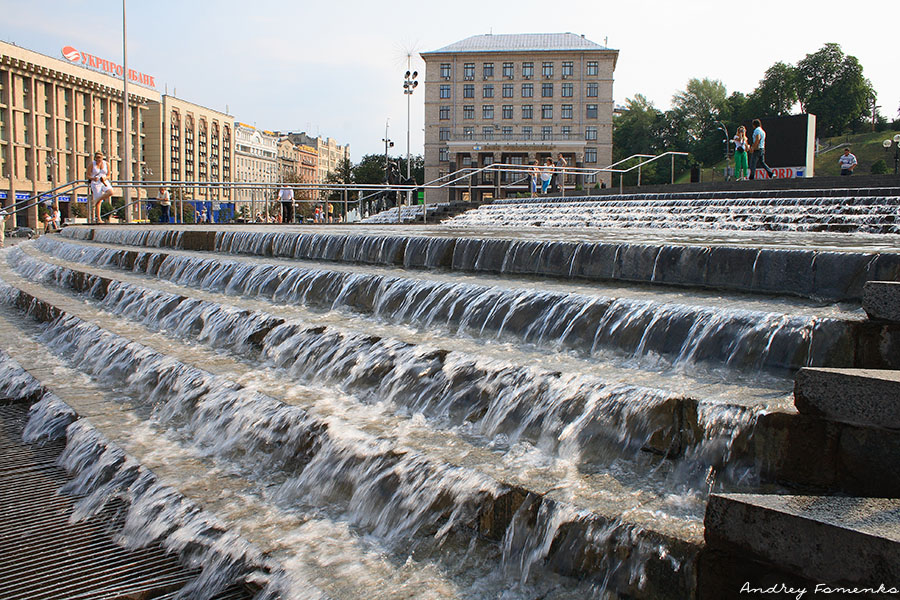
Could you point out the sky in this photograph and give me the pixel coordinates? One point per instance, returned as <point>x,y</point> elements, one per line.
<point>336,68</point>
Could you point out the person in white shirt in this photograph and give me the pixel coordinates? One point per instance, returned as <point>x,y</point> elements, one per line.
<point>101,190</point>
<point>4,215</point>
<point>164,202</point>
<point>286,197</point>
<point>758,150</point>
<point>847,162</point>
<point>740,153</point>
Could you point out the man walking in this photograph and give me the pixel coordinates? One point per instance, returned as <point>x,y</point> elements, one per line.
<point>758,150</point>
<point>847,162</point>
<point>286,196</point>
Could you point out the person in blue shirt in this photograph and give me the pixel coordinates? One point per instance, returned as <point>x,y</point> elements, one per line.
<point>758,151</point>
<point>847,162</point>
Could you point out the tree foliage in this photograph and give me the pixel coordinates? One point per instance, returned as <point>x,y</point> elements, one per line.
<point>776,95</point>
<point>831,86</point>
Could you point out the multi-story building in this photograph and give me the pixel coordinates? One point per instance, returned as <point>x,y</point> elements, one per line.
<point>256,161</point>
<point>329,152</point>
<point>309,170</point>
<point>298,164</point>
<point>54,114</point>
<point>512,99</point>
<point>191,143</point>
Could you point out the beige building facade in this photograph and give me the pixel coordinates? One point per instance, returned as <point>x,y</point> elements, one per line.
<point>54,114</point>
<point>328,151</point>
<point>256,161</point>
<point>186,142</point>
<point>300,164</point>
<point>512,99</point>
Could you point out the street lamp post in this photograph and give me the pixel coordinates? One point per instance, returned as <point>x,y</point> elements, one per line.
<point>727,140</point>
<point>145,173</point>
<point>126,119</point>
<point>409,86</point>
<point>895,142</point>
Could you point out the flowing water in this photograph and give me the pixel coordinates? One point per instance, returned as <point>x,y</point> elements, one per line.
<point>380,430</point>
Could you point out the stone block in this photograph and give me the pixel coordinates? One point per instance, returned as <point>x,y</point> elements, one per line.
<point>881,300</point>
<point>861,396</point>
<point>832,540</point>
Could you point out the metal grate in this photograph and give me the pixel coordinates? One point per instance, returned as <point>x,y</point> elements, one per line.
<point>45,556</point>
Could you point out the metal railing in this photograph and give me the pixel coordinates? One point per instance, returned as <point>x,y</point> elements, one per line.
<point>184,191</point>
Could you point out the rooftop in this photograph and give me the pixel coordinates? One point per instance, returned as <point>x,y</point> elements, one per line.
<point>524,42</point>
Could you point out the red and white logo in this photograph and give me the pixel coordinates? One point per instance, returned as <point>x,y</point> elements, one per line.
<point>71,53</point>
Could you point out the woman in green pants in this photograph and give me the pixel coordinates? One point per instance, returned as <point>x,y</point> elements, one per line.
<point>740,154</point>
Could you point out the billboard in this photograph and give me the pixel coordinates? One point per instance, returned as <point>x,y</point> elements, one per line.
<point>790,145</point>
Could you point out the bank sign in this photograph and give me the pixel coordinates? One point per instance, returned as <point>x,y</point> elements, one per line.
<point>103,65</point>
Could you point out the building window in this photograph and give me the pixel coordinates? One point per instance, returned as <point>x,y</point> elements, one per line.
<point>593,67</point>
<point>527,111</point>
<point>469,71</point>
<point>468,111</point>
<point>487,132</point>
<point>590,155</point>
<point>568,90</point>
<point>445,70</point>
<point>507,111</point>
<point>526,133</point>
<point>487,111</point>
<point>546,111</point>
<point>528,70</point>
<point>487,69</point>
<point>565,132</point>
<point>547,132</point>
<point>568,68</point>
<point>566,111</point>
<point>546,90</point>
<point>506,132</point>
<point>547,69</point>
<point>487,91</point>
<point>445,91</point>
<point>528,90</point>
<point>508,90</point>
<point>508,70</point>
<point>443,155</point>
<point>593,90</point>
<point>591,111</point>
<point>444,134</point>
<point>468,90</point>
<point>444,113</point>
<point>590,133</point>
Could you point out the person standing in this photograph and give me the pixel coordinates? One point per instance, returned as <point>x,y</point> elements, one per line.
<point>4,215</point>
<point>559,176</point>
<point>330,210</point>
<point>534,175</point>
<point>848,162</point>
<point>758,149</point>
<point>546,175</point>
<point>286,196</point>
<point>101,190</point>
<point>740,153</point>
<point>162,199</point>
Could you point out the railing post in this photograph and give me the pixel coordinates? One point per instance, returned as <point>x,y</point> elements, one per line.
<point>640,162</point>
<point>672,168</point>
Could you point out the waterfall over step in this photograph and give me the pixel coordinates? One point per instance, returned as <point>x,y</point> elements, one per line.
<point>455,413</point>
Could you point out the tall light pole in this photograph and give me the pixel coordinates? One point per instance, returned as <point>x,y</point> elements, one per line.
<point>126,124</point>
<point>409,86</point>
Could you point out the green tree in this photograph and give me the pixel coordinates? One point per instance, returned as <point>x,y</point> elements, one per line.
<point>370,169</point>
<point>341,175</point>
<point>831,86</point>
<point>776,95</point>
<point>639,130</point>
<point>698,109</point>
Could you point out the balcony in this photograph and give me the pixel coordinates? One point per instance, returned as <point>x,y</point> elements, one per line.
<point>574,138</point>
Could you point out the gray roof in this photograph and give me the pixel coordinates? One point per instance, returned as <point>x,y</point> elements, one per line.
<point>524,42</point>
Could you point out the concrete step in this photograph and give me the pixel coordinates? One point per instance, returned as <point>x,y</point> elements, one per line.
<point>861,396</point>
<point>881,300</point>
<point>804,541</point>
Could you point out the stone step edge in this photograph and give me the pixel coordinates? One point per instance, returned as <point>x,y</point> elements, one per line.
<point>881,300</point>
<point>574,550</point>
<point>868,397</point>
<point>729,268</point>
<point>256,574</point>
<point>834,540</point>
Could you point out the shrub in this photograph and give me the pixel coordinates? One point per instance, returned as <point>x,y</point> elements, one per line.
<point>879,167</point>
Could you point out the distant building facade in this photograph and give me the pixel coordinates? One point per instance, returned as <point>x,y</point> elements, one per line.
<point>512,99</point>
<point>188,142</point>
<point>54,114</point>
<point>256,161</point>
<point>329,153</point>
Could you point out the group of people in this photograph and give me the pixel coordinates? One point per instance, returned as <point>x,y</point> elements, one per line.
<point>547,175</point>
<point>321,214</point>
<point>750,154</point>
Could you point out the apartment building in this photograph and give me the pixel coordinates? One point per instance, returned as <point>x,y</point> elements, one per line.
<point>191,143</point>
<point>298,163</point>
<point>329,153</point>
<point>54,114</point>
<point>514,98</point>
<point>256,161</point>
